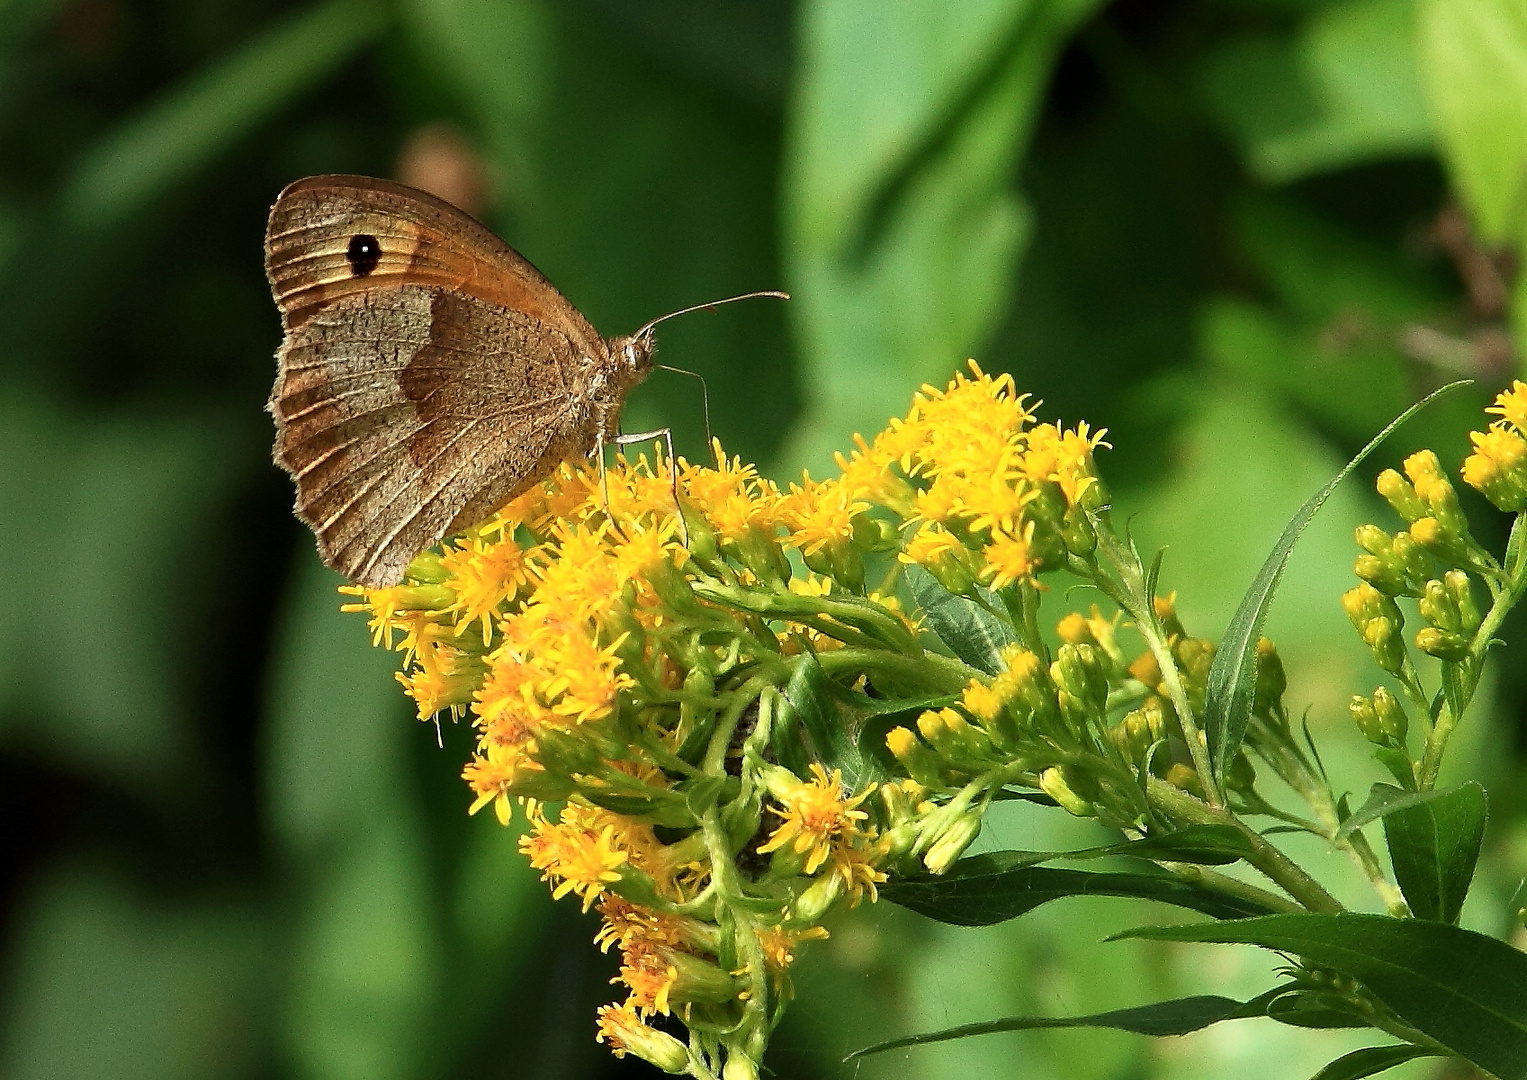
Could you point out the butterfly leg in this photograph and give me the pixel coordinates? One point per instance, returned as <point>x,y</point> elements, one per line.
<point>666,434</point>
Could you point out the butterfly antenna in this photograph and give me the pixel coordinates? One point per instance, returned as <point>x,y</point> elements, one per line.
<point>704,394</point>
<point>713,304</point>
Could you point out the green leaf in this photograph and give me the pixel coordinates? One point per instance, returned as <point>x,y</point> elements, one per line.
<point>986,889</point>
<point>810,694</point>
<point>1434,846</point>
<point>1320,1011</point>
<point>193,123</point>
<point>1370,1060</point>
<point>1209,844</point>
<point>902,228</point>
<point>1341,91</point>
<point>1232,678</point>
<point>1385,799</point>
<point>1465,990</point>
<point>1474,60</point>
<point>363,1001</point>
<point>972,633</point>
<point>1176,1017</point>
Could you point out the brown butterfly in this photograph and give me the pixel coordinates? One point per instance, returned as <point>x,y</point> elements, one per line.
<point>429,373</point>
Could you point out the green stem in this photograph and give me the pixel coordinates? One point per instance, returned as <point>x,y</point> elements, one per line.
<point>1276,866</point>
<point>1202,876</point>
<point>1472,669</point>
<point>1129,592</point>
<point>940,673</point>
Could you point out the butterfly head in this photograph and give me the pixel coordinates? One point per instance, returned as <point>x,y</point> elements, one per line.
<point>632,356</point>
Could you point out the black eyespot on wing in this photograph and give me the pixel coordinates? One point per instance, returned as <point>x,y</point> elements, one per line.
<point>364,253</point>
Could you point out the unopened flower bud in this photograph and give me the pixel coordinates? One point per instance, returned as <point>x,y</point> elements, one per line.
<point>1378,621</point>
<point>1443,644</point>
<point>954,738</point>
<point>1367,719</point>
<point>1383,575</point>
<point>915,757</point>
<point>1391,716</point>
<point>1184,777</point>
<point>1412,557</point>
<point>1272,683</point>
<point>813,904</point>
<point>1055,783</point>
<point>1077,670</point>
<point>1398,493</point>
<point>1379,565</point>
<point>951,842</point>
<point>1462,591</point>
<point>738,1067</point>
<point>1134,737</point>
<point>1078,534</point>
<point>1434,490</point>
<point>427,568</point>
<point>1439,607</point>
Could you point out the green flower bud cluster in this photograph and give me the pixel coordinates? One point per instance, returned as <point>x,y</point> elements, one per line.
<point>1378,621</point>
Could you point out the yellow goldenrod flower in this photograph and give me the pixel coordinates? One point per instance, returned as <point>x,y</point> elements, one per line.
<point>483,575</point>
<point>779,942</point>
<point>818,515</point>
<point>1497,468</point>
<point>1511,405</point>
<point>816,814</point>
<point>1009,557</point>
<point>625,1032</point>
<point>579,858</point>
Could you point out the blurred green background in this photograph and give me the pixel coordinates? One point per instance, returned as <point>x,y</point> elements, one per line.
<point>1240,234</point>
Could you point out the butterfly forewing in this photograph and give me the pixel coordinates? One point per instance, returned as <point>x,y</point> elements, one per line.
<point>428,375</point>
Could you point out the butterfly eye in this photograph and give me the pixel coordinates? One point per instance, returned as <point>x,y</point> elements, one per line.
<point>364,253</point>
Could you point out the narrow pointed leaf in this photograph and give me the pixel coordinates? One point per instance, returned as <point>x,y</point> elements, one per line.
<point>1370,1060</point>
<point>1465,990</point>
<point>1233,676</point>
<point>986,889</point>
<point>972,633</point>
<point>1176,1017</point>
<point>1434,846</point>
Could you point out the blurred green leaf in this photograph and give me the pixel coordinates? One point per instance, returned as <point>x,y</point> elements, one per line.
<point>902,230</point>
<point>1474,57</point>
<point>981,890</point>
<point>1343,90</point>
<point>1370,1060</point>
<point>1465,990</point>
<point>113,601</point>
<point>497,61</point>
<point>1161,1018</point>
<point>109,982</point>
<point>367,964</point>
<point>19,18</point>
<point>189,126</point>
<point>1434,846</point>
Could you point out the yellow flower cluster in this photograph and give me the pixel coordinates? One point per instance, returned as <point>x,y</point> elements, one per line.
<point>631,664</point>
<point>1498,466</point>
